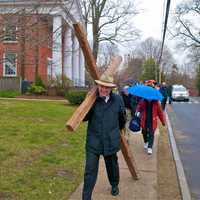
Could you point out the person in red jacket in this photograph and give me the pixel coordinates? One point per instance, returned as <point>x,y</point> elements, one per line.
<point>149,111</point>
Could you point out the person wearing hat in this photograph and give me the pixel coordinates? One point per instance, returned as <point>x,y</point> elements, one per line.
<point>151,83</point>
<point>105,120</point>
<point>130,102</point>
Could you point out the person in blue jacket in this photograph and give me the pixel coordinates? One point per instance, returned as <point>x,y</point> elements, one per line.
<point>105,120</point>
<point>164,91</point>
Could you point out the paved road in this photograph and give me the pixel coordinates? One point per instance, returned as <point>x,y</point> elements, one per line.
<point>185,121</point>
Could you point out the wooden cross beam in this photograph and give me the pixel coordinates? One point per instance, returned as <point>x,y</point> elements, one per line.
<point>83,109</point>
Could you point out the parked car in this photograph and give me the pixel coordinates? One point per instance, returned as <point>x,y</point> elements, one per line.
<point>179,92</point>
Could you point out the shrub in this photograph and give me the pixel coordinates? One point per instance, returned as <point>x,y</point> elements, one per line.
<point>58,85</point>
<point>35,89</point>
<point>76,96</point>
<point>9,93</point>
<point>39,82</point>
<point>60,82</point>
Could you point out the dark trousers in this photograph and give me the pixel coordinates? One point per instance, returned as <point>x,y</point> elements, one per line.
<point>163,103</point>
<point>91,171</point>
<point>170,100</point>
<point>148,136</point>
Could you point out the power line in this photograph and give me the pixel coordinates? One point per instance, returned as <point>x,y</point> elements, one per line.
<point>165,28</point>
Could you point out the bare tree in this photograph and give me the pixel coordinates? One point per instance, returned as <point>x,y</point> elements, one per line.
<point>28,24</point>
<point>24,27</point>
<point>177,76</point>
<point>194,56</point>
<point>150,48</point>
<point>132,72</point>
<point>106,51</point>
<point>110,21</point>
<point>186,29</point>
<point>186,21</point>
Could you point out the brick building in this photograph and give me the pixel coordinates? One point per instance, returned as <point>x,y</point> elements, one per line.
<point>37,39</point>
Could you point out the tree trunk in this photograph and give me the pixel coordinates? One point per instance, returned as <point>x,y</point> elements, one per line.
<point>95,45</point>
<point>22,45</point>
<point>37,47</point>
<point>95,26</point>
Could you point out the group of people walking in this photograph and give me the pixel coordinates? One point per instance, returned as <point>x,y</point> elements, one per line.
<point>148,111</point>
<point>106,119</point>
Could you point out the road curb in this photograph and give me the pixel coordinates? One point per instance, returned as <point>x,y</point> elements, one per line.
<point>185,192</point>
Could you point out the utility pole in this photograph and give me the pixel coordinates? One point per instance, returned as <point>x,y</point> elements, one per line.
<point>160,73</point>
<point>163,38</point>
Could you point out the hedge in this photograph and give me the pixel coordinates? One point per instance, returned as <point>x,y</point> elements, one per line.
<point>76,97</point>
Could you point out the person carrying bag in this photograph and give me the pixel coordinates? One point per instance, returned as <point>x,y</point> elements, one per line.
<point>134,124</point>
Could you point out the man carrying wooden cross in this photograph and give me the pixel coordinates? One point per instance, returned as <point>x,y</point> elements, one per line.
<point>105,120</point>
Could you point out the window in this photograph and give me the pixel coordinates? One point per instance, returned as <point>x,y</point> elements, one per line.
<point>10,68</point>
<point>10,32</point>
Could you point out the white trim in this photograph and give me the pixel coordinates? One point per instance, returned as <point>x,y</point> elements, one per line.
<point>57,46</point>
<point>67,65</point>
<point>81,68</point>
<point>4,59</point>
<point>75,61</point>
<point>10,42</point>
<point>51,8</point>
<point>28,3</point>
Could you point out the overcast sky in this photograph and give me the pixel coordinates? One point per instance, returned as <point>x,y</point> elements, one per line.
<point>150,20</point>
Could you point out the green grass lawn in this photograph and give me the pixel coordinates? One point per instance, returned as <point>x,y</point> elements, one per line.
<point>39,158</point>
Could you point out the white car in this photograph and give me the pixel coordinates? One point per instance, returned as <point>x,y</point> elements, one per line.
<point>179,92</point>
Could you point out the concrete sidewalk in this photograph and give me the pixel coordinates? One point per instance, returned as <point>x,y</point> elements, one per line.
<point>143,189</point>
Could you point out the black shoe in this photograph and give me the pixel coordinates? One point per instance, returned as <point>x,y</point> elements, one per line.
<point>115,190</point>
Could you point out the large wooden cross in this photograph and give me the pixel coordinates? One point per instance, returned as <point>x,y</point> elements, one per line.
<point>73,123</point>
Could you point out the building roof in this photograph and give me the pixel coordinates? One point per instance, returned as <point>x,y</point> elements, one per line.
<point>25,1</point>
<point>67,8</point>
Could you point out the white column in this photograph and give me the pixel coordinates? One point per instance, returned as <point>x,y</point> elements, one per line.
<point>57,46</point>
<point>75,61</point>
<point>81,68</point>
<point>68,53</point>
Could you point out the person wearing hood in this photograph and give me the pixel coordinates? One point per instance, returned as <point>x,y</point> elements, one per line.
<point>130,101</point>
